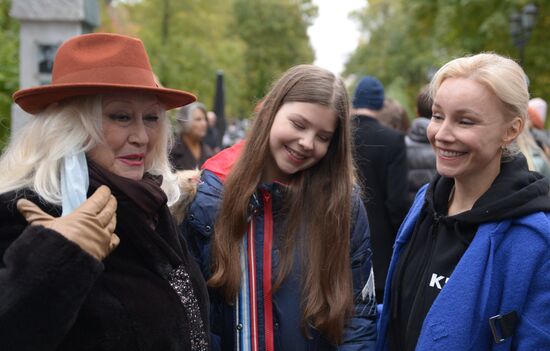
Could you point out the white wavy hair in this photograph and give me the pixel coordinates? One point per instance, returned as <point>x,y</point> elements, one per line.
<point>34,156</point>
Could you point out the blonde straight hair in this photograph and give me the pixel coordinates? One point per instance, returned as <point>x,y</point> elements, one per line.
<point>33,158</point>
<point>502,75</point>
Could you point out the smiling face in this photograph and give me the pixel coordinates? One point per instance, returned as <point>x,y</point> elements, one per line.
<point>299,138</point>
<point>132,125</point>
<point>468,130</point>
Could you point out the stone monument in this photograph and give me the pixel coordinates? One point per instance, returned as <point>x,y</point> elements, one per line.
<point>44,25</point>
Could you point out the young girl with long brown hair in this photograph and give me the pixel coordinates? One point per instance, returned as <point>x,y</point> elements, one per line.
<point>279,229</point>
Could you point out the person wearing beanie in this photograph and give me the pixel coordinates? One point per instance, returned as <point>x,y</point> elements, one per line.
<point>381,159</point>
<point>369,94</point>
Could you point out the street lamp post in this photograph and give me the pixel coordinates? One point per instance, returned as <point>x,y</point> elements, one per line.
<point>521,25</point>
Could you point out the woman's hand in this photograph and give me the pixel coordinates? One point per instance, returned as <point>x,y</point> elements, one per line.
<point>91,226</point>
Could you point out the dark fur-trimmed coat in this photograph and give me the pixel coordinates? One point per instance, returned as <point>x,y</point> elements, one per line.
<point>55,296</point>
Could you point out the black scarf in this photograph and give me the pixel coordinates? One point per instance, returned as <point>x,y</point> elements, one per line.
<point>143,218</point>
<point>141,203</point>
<point>145,194</point>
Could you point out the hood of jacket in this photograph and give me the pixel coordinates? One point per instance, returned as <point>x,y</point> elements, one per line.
<point>515,192</point>
<point>417,132</point>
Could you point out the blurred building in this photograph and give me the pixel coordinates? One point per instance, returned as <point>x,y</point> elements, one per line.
<point>44,25</point>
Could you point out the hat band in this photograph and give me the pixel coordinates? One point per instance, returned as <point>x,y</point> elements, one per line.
<point>113,75</point>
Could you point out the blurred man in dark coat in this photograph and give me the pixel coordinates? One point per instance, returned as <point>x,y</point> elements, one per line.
<point>381,158</point>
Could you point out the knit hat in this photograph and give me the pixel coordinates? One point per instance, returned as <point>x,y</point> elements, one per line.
<point>369,94</point>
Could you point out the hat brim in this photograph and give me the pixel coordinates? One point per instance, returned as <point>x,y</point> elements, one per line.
<point>35,100</point>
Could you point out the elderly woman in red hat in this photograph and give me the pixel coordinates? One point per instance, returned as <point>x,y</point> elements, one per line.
<point>92,162</point>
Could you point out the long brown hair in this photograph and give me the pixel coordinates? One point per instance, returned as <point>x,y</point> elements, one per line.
<point>324,189</point>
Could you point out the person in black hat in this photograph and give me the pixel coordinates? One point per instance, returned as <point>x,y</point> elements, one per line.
<point>381,159</point>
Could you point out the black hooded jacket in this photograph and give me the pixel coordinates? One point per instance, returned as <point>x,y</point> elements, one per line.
<point>439,241</point>
<point>420,157</point>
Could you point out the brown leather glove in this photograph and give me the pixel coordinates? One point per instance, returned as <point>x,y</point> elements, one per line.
<point>91,226</point>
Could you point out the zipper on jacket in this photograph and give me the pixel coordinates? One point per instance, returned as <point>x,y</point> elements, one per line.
<point>268,247</point>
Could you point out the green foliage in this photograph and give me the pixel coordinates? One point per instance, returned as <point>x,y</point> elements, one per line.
<point>250,41</point>
<point>409,39</point>
<point>188,41</point>
<point>9,74</point>
<point>275,33</point>
<point>537,53</point>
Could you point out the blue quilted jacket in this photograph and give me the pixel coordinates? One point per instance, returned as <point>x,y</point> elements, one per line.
<point>281,318</point>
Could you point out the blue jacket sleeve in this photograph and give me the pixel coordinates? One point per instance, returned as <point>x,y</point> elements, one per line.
<point>533,331</point>
<point>360,333</point>
<point>198,225</point>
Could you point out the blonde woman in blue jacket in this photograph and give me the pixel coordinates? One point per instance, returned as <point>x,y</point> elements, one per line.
<point>471,260</point>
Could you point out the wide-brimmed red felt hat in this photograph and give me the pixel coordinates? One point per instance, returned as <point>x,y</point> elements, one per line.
<point>99,63</point>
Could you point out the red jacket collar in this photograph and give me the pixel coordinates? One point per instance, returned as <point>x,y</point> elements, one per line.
<point>221,163</point>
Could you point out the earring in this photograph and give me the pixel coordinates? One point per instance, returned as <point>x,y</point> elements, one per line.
<point>503,147</point>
